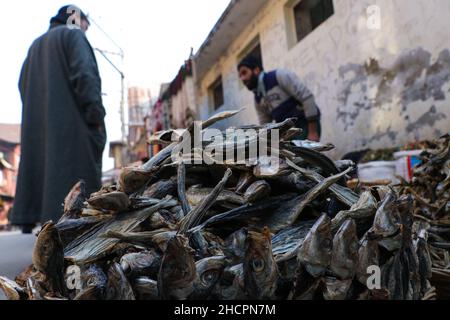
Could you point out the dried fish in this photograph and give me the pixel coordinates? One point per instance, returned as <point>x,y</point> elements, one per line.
<point>145,263</point>
<point>118,287</point>
<point>73,203</point>
<point>344,256</point>
<point>280,226</point>
<point>146,288</point>
<point>94,282</point>
<point>257,191</point>
<point>48,257</point>
<point>209,272</point>
<point>315,252</point>
<point>178,272</point>
<point>114,201</point>
<point>260,268</point>
<point>11,289</point>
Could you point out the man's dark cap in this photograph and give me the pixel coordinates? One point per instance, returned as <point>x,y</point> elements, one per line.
<point>64,14</point>
<point>250,62</point>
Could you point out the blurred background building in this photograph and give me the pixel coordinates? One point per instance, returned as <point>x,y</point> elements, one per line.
<point>9,166</point>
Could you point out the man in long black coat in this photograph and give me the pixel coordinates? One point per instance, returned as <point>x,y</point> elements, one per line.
<point>63,130</point>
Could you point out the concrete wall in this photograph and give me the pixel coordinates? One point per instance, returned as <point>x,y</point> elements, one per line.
<point>182,102</point>
<point>375,88</point>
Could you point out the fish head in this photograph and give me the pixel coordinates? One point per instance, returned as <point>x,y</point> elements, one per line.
<point>132,179</point>
<point>114,201</point>
<point>177,272</point>
<point>344,258</point>
<point>209,272</point>
<point>118,287</point>
<point>142,263</point>
<point>260,268</point>
<point>346,237</point>
<point>48,244</point>
<point>76,197</point>
<point>315,252</point>
<point>256,191</point>
<point>386,221</point>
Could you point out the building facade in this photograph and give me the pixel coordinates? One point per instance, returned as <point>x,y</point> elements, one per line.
<point>181,97</point>
<point>135,148</point>
<point>379,69</point>
<point>9,167</point>
<point>139,102</point>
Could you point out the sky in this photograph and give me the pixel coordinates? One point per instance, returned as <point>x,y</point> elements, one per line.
<point>156,37</point>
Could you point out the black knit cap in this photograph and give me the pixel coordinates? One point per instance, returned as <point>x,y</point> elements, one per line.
<point>250,62</point>
<point>64,14</point>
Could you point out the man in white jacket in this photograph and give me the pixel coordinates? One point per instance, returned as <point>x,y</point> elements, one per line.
<point>280,95</point>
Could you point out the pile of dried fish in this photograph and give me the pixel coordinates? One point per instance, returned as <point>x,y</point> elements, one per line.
<point>234,230</point>
<point>431,193</point>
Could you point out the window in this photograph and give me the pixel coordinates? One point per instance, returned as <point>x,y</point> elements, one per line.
<point>252,49</point>
<point>307,15</point>
<point>216,92</point>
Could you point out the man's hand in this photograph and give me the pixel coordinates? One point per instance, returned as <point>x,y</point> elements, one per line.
<point>313,134</point>
<point>313,137</point>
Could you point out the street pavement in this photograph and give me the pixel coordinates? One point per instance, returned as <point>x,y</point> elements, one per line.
<point>15,254</point>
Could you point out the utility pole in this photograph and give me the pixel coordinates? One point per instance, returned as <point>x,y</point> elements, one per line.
<point>104,53</point>
<point>122,85</point>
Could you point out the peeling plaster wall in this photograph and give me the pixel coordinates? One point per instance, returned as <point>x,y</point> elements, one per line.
<point>375,88</point>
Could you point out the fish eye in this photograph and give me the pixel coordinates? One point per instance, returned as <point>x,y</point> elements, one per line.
<point>258,265</point>
<point>210,277</point>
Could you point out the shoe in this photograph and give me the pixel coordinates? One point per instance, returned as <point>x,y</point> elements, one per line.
<point>28,228</point>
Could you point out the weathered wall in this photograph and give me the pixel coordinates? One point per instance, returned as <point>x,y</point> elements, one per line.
<point>182,102</point>
<point>375,88</point>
